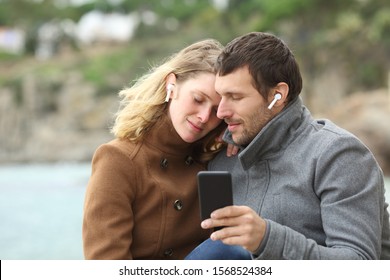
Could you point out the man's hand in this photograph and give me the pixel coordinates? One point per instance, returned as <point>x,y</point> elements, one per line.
<point>242,226</point>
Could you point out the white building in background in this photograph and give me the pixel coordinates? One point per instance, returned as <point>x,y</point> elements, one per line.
<point>96,26</point>
<point>12,40</point>
<point>93,27</point>
<point>50,35</point>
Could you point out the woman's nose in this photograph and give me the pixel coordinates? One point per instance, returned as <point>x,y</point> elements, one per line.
<point>204,114</point>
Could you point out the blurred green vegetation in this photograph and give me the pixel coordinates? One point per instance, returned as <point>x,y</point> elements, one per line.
<point>351,33</point>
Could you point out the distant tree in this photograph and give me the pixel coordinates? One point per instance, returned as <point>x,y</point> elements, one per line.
<point>357,32</point>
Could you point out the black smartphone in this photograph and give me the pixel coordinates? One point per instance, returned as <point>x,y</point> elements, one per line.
<point>215,191</point>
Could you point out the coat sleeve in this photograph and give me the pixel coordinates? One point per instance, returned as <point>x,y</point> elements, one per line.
<point>349,184</point>
<point>108,216</point>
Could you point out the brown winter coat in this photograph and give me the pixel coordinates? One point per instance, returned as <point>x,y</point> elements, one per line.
<point>141,201</point>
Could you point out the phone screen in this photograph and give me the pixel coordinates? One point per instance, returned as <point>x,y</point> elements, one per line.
<point>215,191</point>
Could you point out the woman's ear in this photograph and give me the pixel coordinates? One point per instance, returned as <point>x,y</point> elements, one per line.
<point>170,79</point>
<point>170,83</point>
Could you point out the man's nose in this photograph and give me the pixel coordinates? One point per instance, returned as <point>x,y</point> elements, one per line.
<point>223,111</point>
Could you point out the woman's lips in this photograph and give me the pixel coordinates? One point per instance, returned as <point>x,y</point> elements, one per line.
<point>194,126</point>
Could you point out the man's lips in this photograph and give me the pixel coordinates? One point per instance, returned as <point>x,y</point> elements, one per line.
<point>232,125</point>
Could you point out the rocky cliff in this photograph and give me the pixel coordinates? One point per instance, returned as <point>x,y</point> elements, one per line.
<point>60,117</point>
<point>66,125</point>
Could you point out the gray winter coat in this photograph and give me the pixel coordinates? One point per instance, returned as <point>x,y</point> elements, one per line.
<point>318,187</point>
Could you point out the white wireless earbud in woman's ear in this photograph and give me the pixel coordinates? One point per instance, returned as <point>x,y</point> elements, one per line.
<point>169,91</point>
<point>277,97</point>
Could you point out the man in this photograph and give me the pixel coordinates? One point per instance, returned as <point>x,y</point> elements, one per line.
<point>303,188</point>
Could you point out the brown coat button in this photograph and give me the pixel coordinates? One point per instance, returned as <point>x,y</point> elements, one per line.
<point>168,252</point>
<point>189,160</point>
<point>164,163</point>
<point>178,205</point>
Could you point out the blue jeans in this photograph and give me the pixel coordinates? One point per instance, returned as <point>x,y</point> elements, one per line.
<point>216,250</point>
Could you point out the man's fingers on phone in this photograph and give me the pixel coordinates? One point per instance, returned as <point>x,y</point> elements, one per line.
<point>229,212</point>
<point>219,234</point>
<point>226,234</point>
<point>206,224</point>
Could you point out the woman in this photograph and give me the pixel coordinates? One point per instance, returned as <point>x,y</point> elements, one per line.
<point>141,201</point>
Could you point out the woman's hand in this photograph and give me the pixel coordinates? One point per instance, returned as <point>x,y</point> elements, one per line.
<point>231,150</point>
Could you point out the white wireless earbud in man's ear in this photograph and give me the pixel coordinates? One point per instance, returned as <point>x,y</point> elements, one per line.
<point>169,91</point>
<point>277,97</point>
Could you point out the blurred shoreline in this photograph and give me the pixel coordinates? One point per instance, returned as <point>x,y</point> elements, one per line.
<point>41,209</point>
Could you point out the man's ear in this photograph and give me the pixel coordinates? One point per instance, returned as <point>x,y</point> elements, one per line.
<point>280,94</point>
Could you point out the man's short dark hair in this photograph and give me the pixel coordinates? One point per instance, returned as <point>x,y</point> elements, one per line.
<point>268,59</point>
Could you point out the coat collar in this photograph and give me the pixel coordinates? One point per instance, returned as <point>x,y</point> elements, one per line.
<point>274,137</point>
<point>163,136</point>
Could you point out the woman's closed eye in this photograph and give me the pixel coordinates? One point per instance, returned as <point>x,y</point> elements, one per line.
<point>198,99</point>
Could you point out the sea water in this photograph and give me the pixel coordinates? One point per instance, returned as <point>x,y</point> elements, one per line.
<point>41,209</point>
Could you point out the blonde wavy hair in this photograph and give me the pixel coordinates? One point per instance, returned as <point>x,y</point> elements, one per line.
<point>143,103</point>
